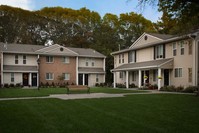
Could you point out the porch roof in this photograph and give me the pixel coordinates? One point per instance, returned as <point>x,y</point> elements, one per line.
<point>90,70</point>
<point>11,68</point>
<point>163,63</point>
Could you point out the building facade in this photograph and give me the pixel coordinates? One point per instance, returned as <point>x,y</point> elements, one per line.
<point>160,60</point>
<point>31,65</point>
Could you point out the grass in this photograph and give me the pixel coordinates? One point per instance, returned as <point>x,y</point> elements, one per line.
<point>10,93</point>
<point>160,113</point>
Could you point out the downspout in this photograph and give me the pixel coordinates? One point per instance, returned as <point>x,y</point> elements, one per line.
<point>2,82</point>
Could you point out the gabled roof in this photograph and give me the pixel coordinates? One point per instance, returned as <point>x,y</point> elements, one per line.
<point>161,36</point>
<point>56,50</point>
<point>87,52</point>
<point>19,48</point>
<point>90,70</point>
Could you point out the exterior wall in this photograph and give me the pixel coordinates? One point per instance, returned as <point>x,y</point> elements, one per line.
<point>9,59</point>
<point>17,78</point>
<point>92,79</point>
<point>97,61</point>
<point>144,54</point>
<point>57,68</point>
<point>116,59</point>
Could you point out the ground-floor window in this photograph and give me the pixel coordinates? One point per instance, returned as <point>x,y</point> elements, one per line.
<point>155,75</point>
<point>134,76</point>
<point>178,72</point>
<point>49,76</point>
<point>66,76</point>
<point>97,78</point>
<point>12,77</point>
<point>121,75</point>
<point>190,74</point>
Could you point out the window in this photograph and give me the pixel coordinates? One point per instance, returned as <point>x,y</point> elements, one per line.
<point>132,57</point>
<point>87,61</point>
<point>49,59</point>
<point>16,59</point>
<point>174,49</point>
<point>65,59</point>
<point>49,76</point>
<point>182,47</point>
<point>12,77</point>
<point>119,59</point>
<point>121,75</point>
<point>178,72</point>
<point>190,48</point>
<point>122,58</point>
<point>190,74</point>
<point>66,76</point>
<point>155,75</point>
<point>159,51</point>
<point>92,62</point>
<point>133,76</point>
<point>97,78</point>
<point>24,59</point>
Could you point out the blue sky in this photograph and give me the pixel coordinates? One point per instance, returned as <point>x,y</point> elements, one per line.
<point>101,6</point>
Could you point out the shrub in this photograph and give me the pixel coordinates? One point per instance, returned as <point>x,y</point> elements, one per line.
<point>132,85</point>
<point>168,88</point>
<point>6,85</point>
<point>120,85</point>
<point>179,89</point>
<point>190,89</point>
<point>41,84</point>
<point>12,85</point>
<point>18,85</point>
<point>47,84</point>
<point>97,84</point>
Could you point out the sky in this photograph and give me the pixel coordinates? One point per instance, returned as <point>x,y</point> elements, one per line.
<point>101,6</point>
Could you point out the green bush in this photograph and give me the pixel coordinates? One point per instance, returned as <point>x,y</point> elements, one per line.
<point>190,89</point>
<point>120,85</point>
<point>132,85</point>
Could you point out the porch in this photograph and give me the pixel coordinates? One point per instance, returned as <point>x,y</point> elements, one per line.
<point>142,73</point>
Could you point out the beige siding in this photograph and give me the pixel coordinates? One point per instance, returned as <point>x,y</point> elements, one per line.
<point>144,54</point>
<point>9,59</point>
<point>17,78</point>
<point>92,79</point>
<point>116,59</point>
<point>98,62</point>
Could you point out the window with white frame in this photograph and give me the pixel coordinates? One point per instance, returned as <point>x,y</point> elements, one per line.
<point>16,59</point>
<point>174,49</point>
<point>97,78</point>
<point>182,47</point>
<point>12,77</point>
<point>66,76</point>
<point>121,75</point>
<point>65,59</point>
<point>159,51</point>
<point>178,72</point>
<point>49,76</point>
<point>122,58</point>
<point>134,76</point>
<point>155,75</point>
<point>132,57</point>
<point>49,59</point>
<point>190,48</point>
<point>24,59</point>
<point>190,74</point>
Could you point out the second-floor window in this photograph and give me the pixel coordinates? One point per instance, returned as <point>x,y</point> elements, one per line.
<point>49,76</point>
<point>159,51</point>
<point>65,59</point>
<point>24,59</point>
<point>92,62</point>
<point>190,48</point>
<point>121,58</point>
<point>49,59</point>
<point>182,47</point>
<point>174,49</point>
<point>87,61</point>
<point>132,57</point>
<point>16,59</point>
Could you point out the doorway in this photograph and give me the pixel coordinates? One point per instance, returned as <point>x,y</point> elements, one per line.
<point>166,77</point>
<point>34,79</point>
<point>25,79</point>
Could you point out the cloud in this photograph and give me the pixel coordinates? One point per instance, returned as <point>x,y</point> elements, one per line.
<point>24,4</point>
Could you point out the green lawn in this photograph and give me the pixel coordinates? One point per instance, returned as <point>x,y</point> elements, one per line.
<point>157,113</point>
<point>47,91</point>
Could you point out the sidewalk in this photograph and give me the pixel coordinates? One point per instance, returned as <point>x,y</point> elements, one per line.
<point>93,95</point>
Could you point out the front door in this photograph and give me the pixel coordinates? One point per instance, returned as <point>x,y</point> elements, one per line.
<point>25,79</point>
<point>86,79</point>
<point>80,79</point>
<point>166,77</point>
<point>34,79</point>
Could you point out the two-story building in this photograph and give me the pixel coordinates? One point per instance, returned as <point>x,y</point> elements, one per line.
<point>158,59</point>
<point>30,65</point>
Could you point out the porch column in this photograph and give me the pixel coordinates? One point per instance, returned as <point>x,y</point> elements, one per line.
<point>2,81</point>
<point>114,79</point>
<point>30,79</point>
<point>83,79</point>
<point>139,78</point>
<point>159,80</point>
<point>127,79</point>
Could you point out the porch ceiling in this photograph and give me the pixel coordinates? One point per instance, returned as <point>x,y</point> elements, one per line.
<point>90,70</point>
<point>11,68</point>
<point>163,63</point>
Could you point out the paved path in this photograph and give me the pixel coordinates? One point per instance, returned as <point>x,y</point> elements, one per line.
<point>92,95</point>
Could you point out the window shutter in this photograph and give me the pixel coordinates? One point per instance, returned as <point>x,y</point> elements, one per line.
<point>154,53</point>
<point>135,55</point>
<point>163,50</point>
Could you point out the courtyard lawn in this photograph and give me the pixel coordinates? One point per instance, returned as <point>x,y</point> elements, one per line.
<point>10,93</point>
<point>154,113</point>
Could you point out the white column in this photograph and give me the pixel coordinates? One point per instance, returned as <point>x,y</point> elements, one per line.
<point>139,78</point>
<point>114,79</point>
<point>77,72</point>
<point>83,79</point>
<point>30,79</point>
<point>104,65</point>
<point>2,82</point>
<point>159,80</point>
<point>38,77</point>
<point>127,79</point>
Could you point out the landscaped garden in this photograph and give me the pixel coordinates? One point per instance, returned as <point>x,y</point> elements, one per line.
<point>151,113</point>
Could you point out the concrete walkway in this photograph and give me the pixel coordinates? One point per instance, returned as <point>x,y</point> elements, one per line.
<point>92,95</point>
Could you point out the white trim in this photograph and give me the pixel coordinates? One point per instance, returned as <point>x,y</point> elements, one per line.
<point>2,58</point>
<point>77,71</point>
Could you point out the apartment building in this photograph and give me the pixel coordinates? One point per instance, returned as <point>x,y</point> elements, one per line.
<point>158,59</point>
<point>30,65</point>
